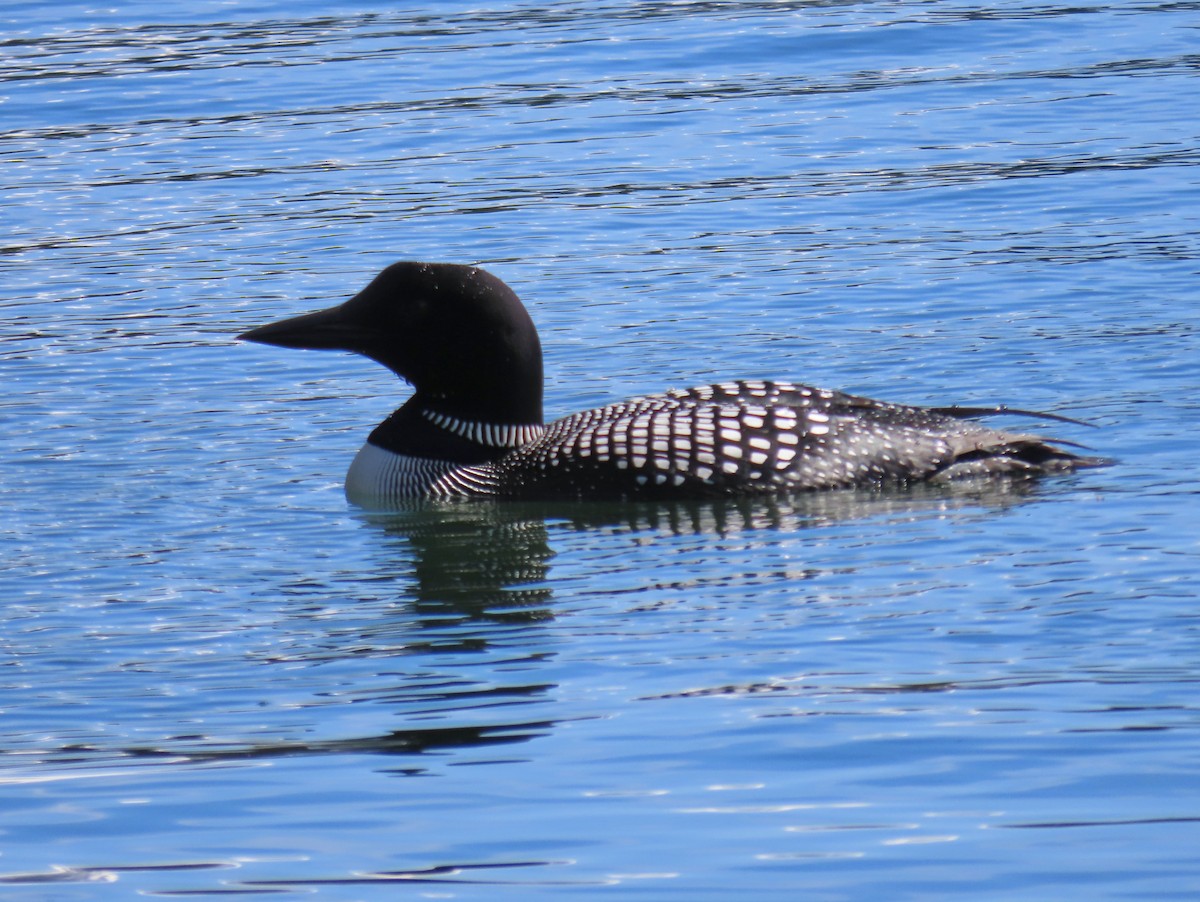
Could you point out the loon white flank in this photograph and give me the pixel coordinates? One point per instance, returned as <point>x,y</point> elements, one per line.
<point>473,426</point>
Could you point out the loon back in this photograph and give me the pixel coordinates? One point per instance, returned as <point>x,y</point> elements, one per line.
<point>473,427</point>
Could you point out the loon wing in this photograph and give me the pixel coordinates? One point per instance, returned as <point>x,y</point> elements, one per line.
<point>1004,410</point>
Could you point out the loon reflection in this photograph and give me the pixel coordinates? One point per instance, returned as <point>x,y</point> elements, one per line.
<point>473,594</point>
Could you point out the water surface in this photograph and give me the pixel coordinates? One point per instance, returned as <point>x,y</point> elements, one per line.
<point>217,677</point>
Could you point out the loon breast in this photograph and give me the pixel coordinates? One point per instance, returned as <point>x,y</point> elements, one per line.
<point>378,478</point>
<point>473,427</point>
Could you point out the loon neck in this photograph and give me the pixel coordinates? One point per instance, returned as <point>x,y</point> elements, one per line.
<point>499,390</point>
<point>421,429</point>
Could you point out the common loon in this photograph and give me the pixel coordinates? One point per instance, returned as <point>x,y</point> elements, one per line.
<point>473,427</point>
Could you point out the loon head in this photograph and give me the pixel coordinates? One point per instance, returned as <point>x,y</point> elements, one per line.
<point>458,334</point>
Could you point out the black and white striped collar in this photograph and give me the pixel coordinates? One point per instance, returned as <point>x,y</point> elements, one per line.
<point>493,435</point>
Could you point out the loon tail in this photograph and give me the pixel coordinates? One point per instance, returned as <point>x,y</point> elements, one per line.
<point>1039,452</point>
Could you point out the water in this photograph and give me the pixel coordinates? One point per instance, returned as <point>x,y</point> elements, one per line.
<point>219,678</point>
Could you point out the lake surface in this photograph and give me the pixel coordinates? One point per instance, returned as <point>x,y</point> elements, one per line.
<point>216,677</point>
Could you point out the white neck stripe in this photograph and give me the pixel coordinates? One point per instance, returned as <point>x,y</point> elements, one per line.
<point>493,435</point>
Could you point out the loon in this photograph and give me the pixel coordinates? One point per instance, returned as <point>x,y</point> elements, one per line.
<point>473,427</point>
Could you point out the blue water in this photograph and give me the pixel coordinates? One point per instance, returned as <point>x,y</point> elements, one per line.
<point>216,677</point>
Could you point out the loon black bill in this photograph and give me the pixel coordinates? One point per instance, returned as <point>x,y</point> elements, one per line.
<point>325,329</point>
